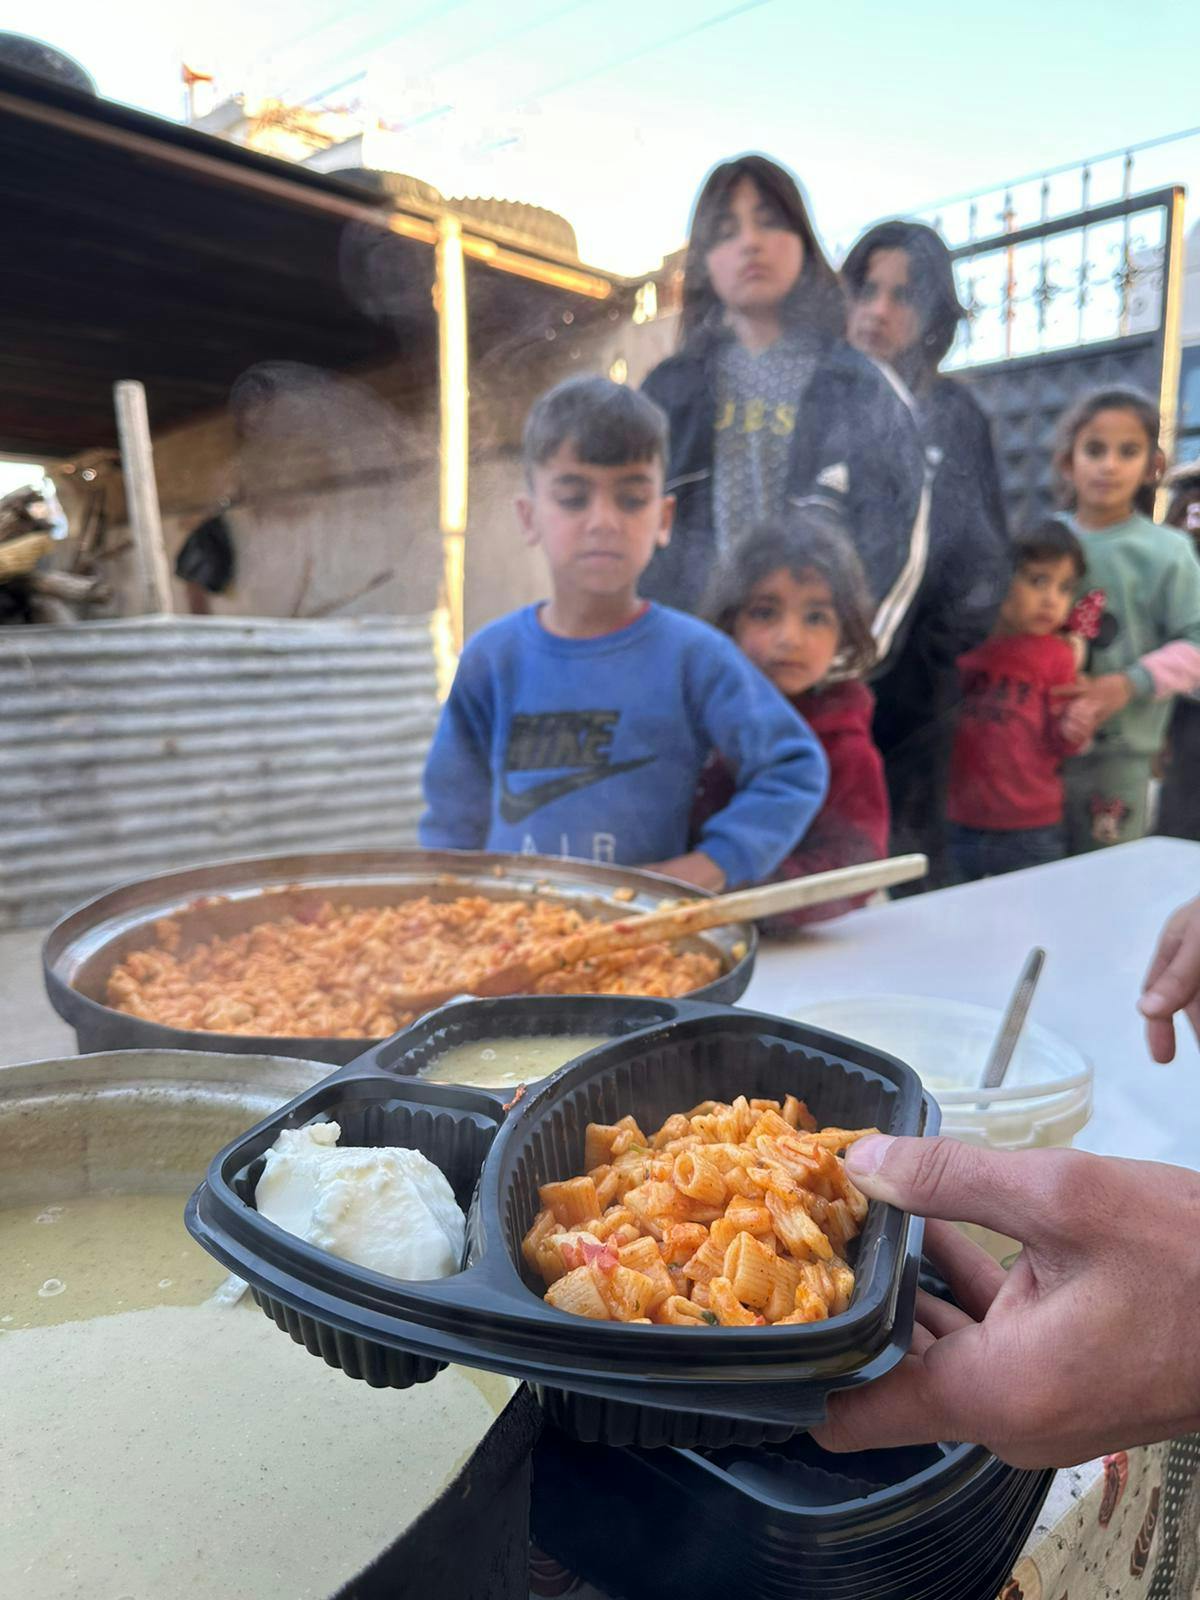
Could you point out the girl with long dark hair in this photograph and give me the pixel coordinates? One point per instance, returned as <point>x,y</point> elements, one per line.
<point>769,407</point>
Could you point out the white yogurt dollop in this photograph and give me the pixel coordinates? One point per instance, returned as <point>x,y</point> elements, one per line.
<point>387,1209</point>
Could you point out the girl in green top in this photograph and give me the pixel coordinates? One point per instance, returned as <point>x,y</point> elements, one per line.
<point>1148,647</point>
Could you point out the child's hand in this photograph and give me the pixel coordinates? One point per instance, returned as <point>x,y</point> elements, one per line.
<point>1092,702</point>
<point>695,867</point>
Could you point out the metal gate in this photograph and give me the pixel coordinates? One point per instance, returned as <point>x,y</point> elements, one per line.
<point>1063,305</point>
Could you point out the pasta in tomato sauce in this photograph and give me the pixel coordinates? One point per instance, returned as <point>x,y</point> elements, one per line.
<point>731,1215</point>
<point>335,971</point>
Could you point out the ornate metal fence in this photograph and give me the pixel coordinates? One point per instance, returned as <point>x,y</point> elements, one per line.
<point>1061,305</point>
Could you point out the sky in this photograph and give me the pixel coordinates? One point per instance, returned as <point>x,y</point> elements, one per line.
<point>612,113</point>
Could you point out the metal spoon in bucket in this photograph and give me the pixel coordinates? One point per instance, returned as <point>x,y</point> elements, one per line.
<point>1013,1021</point>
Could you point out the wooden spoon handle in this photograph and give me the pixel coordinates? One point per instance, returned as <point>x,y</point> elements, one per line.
<point>743,905</point>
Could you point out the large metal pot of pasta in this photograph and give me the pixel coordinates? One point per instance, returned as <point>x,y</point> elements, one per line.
<point>118,968</point>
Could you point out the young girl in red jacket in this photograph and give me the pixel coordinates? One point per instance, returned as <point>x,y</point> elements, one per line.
<point>792,595</point>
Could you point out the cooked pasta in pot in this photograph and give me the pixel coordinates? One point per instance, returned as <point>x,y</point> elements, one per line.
<point>334,971</point>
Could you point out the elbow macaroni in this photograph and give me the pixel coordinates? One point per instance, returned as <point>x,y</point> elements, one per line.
<point>731,1215</point>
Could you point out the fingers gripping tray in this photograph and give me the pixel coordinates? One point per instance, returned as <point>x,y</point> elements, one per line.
<point>616,1383</point>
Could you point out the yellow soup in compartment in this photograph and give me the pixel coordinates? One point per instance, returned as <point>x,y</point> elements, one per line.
<point>504,1063</point>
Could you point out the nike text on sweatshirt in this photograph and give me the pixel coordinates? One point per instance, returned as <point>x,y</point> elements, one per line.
<point>592,747</point>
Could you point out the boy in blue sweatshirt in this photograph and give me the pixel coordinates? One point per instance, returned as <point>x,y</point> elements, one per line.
<point>579,727</point>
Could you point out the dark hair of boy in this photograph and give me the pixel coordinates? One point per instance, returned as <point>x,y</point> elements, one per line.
<point>931,284</point>
<point>812,539</point>
<point>816,301</point>
<point>1049,540</point>
<point>1086,408</point>
<point>609,425</point>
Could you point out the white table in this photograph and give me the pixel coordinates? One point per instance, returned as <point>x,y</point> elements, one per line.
<point>1097,917</point>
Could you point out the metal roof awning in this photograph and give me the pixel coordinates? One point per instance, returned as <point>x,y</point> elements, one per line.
<point>139,248</point>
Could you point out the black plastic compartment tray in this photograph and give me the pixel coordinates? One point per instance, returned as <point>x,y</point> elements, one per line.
<point>604,1381</point>
<point>82,948</point>
<point>786,1523</point>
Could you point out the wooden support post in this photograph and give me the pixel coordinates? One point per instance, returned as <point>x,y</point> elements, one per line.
<point>141,494</point>
<point>1173,268</point>
<point>450,296</point>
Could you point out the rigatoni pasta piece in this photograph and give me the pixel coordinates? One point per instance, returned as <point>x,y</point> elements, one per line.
<point>798,1115</point>
<point>607,1185</point>
<point>745,1116</point>
<point>572,1201</point>
<point>599,1137</point>
<point>656,1206</point>
<point>629,1140</point>
<point>727,1156</point>
<point>676,1127</point>
<point>614,1218</point>
<point>642,1256</point>
<point>789,1154</point>
<point>810,1307</point>
<point>627,1294</point>
<point>544,1254</point>
<point>843,1287</point>
<point>856,1202</point>
<point>731,1313</point>
<point>750,1269</point>
<point>544,1224</point>
<point>681,1241</point>
<point>769,1126</point>
<point>748,1215</point>
<point>578,1294</point>
<point>783,1293</point>
<point>832,1281</point>
<point>835,1139</point>
<point>707,1263</point>
<point>722,1232</point>
<point>698,1179</point>
<point>678,1312</point>
<point>797,1230</point>
<point>625,1233</point>
<point>840,1227</point>
<point>660,1168</point>
<point>739,1181</point>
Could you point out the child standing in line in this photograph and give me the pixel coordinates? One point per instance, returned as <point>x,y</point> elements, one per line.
<point>579,727</point>
<point>1147,650</point>
<point>794,598</point>
<point>1005,798</point>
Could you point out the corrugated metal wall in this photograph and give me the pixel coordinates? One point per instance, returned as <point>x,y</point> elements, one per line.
<point>131,747</point>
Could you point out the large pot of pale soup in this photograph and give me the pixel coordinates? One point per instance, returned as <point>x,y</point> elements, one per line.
<point>160,1438</point>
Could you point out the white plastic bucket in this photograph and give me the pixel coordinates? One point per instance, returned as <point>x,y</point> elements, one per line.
<point>1046,1097</point>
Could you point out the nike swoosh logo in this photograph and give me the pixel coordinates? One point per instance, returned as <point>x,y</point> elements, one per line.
<point>516,807</point>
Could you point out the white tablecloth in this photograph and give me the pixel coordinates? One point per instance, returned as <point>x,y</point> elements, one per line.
<point>1096,916</point>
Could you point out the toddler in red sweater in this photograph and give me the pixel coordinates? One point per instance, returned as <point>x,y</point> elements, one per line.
<point>794,598</point>
<point>1005,799</point>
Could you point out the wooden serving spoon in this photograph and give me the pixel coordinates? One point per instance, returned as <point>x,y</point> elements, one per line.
<point>673,922</point>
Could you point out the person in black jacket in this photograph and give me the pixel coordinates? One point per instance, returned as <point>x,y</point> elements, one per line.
<point>904,311</point>
<point>768,406</point>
